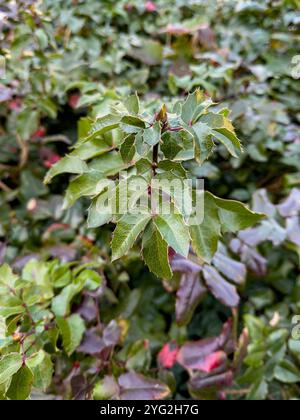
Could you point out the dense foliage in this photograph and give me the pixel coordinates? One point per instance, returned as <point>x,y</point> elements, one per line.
<point>94,305</point>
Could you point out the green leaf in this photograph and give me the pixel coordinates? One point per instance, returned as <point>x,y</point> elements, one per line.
<point>204,145</point>
<point>194,106</point>
<point>103,208</point>
<point>287,373</point>
<point>205,237</point>
<point>91,279</point>
<point>69,164</point>
<point>103,125</point>
<point>259,391</point>
<point>235,216</point>
<point>7,277</point>
<point>21,384</point>
<point>91,149</point>
<point>128,149</point>
<point>155,252</point>
<point>72,330</point>
<point>132,104</point>
<point>42,368</point>
<point>9,365</point>
<point>61,303</point>
<point>83,186</point>
<point>152,135</point>
<point>27,123</point>
<point>150,53</point>
<point>126,233</point>
<point>131,124</point>
<point>174,231</point>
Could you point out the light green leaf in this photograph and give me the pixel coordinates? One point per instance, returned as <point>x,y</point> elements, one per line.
<point>61,303</point>
<point>9,365</point>
<point>83,186</point>
<point>205,237</point>
<point>287,372</point>
<point>132,104</point>
<point>69,164</point>
<point>235,216</point>
<point>103,125</point>
<point>155,252</point>
<point>128,149</point>
<point>131,124</point>
<point>152,135</point>
<point>7,277</point>
<point>42,367</point>
<point>126,233</point>
<point>21,384</point>
<point>91,149</point>
<point>194,106</point>
<point>174,231</point>
<point>72,330</point>
<point>204,145</point>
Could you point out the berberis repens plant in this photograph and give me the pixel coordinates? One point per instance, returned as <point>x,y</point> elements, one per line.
<point>149,154</point>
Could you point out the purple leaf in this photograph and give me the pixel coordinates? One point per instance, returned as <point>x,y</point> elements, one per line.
<point>188,296</point>
<point>254,261</point>
<point>232,269</point>
<point>293,230</point>
<point>2,252</point>
<point>220,288</point>
<point>199,382</point>
<point>94,344</point>
<point>291,206</point>
<point>180,264</point>
<point>88,309</point>
<point>5,94</point>
<point>135,387</point>
<point>262,203</point>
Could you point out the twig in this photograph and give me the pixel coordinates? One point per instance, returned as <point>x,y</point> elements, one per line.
<point>24,152</point>
<point>4,187</point>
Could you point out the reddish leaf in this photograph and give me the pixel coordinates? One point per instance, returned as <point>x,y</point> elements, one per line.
<point>138,387</point>
<point>73,100</point>
<point>167,357</point>
<point>189,294</point>
<point>216,382</point>
<point>40,133</point>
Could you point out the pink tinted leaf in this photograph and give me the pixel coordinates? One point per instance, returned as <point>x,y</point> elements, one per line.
<point>167,357</point>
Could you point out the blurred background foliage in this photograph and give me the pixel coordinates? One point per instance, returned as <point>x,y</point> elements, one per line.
<point>66,59</point>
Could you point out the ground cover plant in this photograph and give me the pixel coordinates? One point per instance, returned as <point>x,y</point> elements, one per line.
<point>99,96</point>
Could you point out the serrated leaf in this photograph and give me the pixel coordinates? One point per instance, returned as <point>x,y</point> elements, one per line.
<point>235,216</point>
<point>72,330</point>
<point>155,252</point>
<point>152,135</point>
<point>83,186</point>
<point>9,365</point>
<point>174,231</point>
<point>128,149</point>
<point>21,384</point>
<point>68,164</point>
<point>205,237</point>
<point>204,145</point>
<point>193,107</point>
<point>126,233</point>
<point>91,149</point>
<point>103,125</point>
<point>103,208</point>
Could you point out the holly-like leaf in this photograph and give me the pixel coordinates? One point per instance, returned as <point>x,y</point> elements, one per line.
<point>174,231</point>
<point>103,125</point>
<point>132,104</point>
<point>126,233</point>
<point>155,252</point>
<point>235,216</point>
<point>83,186</point>
<point>68,164</point>
<point>152,135</point>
